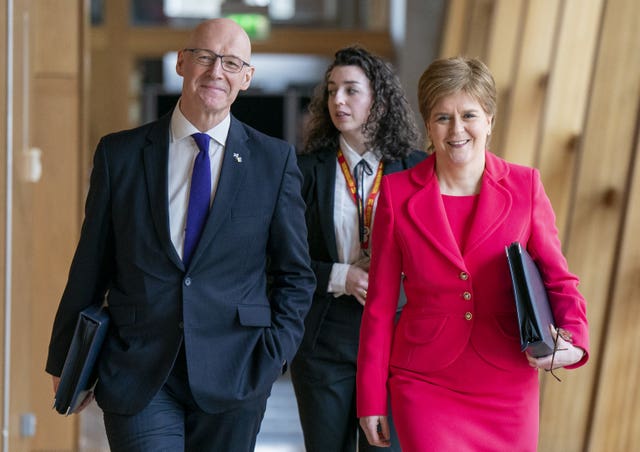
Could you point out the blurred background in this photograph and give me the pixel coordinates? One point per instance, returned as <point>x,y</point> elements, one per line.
<point>568,77</point>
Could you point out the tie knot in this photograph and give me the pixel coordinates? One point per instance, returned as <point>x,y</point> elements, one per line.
<point>363,167</point>
<point>202,140</point>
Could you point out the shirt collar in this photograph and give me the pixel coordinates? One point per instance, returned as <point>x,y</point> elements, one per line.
<point>182,128</point>
<point>352,157</point>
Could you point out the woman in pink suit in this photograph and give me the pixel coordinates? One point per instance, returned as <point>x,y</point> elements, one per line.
<point>452,364</point>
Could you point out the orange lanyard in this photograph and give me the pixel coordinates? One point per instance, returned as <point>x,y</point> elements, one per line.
<point>365,212</point>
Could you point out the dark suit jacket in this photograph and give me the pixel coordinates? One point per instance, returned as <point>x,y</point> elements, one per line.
<point>318,189</point>
<point>237,339</point>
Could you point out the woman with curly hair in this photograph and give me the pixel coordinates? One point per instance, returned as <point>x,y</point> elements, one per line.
<point>361,127</point>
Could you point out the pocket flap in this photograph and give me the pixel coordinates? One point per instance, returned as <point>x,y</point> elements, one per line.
<point>421,330</point>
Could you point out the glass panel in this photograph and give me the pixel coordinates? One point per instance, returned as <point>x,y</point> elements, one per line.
<point>363,14</point>
<point>97,12</point>
<point>192,8</point>
<point>148,12</point>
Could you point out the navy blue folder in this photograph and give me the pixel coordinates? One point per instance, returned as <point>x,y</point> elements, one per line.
<point>532,303</point>
<point>79,374</point>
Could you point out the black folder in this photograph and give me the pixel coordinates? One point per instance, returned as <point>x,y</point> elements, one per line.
<point>532,303</point>
<point>79,374</point>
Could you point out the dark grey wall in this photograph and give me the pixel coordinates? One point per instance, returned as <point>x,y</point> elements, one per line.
<point>418,44</point>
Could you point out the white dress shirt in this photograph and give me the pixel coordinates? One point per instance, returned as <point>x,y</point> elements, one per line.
<point>345,216</point>
<point>182,154</point>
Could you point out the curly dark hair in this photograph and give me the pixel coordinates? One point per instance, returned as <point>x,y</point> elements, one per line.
<point>390,127</point>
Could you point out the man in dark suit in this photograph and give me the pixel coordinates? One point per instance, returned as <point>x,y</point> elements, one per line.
<point>196,340</point>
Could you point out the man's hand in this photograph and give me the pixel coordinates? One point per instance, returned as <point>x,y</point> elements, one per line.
<point>87,400</point>
<point>56,383</point>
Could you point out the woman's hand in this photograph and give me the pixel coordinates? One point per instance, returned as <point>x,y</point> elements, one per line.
<point>376,428</point>
<point>565,354</point>
<point>358,282</point>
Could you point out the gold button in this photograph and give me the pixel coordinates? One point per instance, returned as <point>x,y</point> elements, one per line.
<point>466,295</point>
<point>468,315</point>
<point>464,276</point>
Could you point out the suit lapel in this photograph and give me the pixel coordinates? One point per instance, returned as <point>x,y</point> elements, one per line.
<point>407,162</point>
<point>433,222</point>
<point>156,158</point>
<point>325,174</point>
<point>494,204</point>
<point>393,166</point>
<point>236,159</point>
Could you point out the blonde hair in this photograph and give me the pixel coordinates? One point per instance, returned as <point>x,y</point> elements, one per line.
<point>448,76</point>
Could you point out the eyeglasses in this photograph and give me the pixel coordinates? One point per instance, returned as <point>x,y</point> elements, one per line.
<point>208,58</point>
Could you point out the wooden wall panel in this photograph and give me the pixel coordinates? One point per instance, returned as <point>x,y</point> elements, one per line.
<point>574,112</point>
<point>3,170</point>
<point>22,301</point>
<point>566,153</point>
<point>567,97</point>
<point>57,129</point>
<point>615,425</point>
<point>504,39</point>
<point>58,35</point>
<point>522,116</point>
<point>21,246</point>
<point>502,57</point>
<point>454,30</point>
<point>56,238</point>
<point>611,181</point>
<point>377,14</point>
<point>478,27</point>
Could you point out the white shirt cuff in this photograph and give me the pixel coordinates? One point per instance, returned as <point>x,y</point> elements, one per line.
<point>338,279</point>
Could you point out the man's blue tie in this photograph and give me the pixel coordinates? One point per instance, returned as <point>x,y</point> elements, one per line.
<point>199,197</point>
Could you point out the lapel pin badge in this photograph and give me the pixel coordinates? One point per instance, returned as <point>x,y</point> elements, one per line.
<point>237,157</point>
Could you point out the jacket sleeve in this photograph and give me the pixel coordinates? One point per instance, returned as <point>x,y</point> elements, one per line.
<point>321,268</point>
<point>292,282</point>
<point>92,263</point>
<point>567,303</point>
<point>376,330</point>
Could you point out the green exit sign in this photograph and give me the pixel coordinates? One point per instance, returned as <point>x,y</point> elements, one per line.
<point>256,25</point>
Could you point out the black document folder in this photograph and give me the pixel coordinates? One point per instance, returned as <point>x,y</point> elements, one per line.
<point>79,374</point>
<point>532,303</point>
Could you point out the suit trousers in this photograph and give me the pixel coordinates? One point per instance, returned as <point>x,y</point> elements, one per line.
<point>324,380</point>
<point>173,422</point>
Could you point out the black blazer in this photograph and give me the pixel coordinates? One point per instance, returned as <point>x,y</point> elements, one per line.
<point>236,338</point>
<point>318,189</point>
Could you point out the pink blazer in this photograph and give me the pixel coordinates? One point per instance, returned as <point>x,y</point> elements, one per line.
<point>455,298</point>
